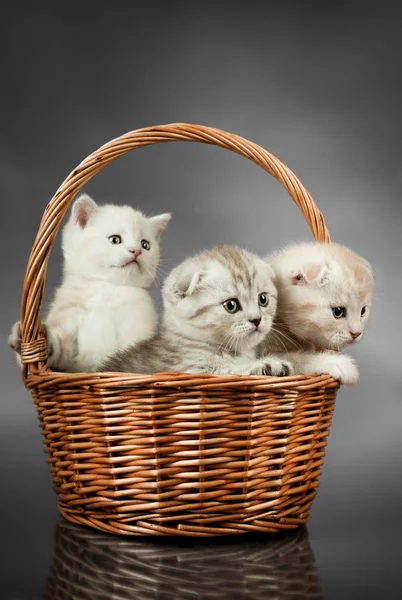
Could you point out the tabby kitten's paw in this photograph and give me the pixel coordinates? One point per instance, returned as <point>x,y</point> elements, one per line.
<point>339,366</point>
<point>273,366</point>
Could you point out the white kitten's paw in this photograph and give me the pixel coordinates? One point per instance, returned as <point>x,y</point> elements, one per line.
<point>14,339</point>
<point>339,366</point>
<point>273,366</point>
<point>54,346</point>
<point>50,342</point>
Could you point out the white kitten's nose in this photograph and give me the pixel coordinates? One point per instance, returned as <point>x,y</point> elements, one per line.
<point>136,253</point>
<point>355,334</point>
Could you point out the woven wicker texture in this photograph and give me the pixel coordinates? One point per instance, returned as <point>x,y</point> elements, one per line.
<point>93,566</point>
<point>174,453</point>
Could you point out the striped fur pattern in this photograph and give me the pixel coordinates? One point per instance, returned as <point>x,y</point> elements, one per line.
<point>198,333</point>
<point>324,302</point>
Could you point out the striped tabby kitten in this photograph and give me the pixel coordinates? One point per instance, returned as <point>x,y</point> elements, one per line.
<point>324,301</point>
<point>218,306</point>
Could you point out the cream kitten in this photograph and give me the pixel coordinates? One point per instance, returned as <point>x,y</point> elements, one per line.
<point>218,306</point>
<point>324,301</point>
<point>111,254</point>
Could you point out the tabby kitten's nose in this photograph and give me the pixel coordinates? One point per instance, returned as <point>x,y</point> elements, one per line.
<point>255,322</point>
<point>355,334</point>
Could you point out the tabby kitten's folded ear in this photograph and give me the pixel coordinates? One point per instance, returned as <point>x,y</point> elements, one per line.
<point>187,283</point>
<point>183,282</point>
<point>84,208</point>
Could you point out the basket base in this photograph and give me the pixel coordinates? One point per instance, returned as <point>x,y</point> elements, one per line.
<point>148,528</point>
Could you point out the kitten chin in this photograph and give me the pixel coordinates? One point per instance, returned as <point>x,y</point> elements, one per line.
<point>215,305</point>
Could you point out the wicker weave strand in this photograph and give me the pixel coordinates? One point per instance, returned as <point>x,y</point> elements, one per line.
<point>174,453</point>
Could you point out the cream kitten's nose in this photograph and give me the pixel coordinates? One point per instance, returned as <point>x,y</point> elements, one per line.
<point>355,334</point>
<point>255,322</point>
<point>136,253</point>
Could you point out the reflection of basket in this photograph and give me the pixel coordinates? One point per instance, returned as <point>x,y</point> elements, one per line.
<point>88,565</point>
<point>175,453</point>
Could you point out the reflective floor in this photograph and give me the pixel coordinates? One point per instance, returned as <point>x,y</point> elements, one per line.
<point>95,566</point>
<point>62,561</point>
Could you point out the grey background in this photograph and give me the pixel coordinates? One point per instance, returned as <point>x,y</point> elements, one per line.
<point>317,84</point>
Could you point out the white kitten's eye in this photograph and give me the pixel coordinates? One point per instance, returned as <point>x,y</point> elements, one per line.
<point>114,239</point>
<point>363,311</point>
<point>145,244</point>
<point>339,312</point>
<point>263,299</point>
<point>232,305</point>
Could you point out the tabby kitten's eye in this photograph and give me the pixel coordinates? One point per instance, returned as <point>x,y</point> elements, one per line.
<point>263,299</point>
<point>339,312</point>
<point>363,311</point>
<point>114,239</point>
<point>232,305</point>
<point>145,244</point>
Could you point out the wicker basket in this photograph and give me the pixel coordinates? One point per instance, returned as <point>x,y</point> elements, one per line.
<point>173,453</point>
<point>93,566</point>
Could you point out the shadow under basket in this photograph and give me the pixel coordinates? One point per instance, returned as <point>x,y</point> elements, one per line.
<point>173,453</point>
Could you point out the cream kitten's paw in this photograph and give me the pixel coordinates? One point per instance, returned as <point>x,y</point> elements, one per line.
<point>339,366</point>
<point>273,366</point>
<point>14,339</point>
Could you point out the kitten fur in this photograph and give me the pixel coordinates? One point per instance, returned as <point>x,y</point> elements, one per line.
<point>312,280</point>
<point>198,335</point>
<point>103,303</point>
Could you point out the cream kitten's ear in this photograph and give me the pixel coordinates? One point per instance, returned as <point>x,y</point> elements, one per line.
<point>314,273</point>
<point>160,222</point>
<point>83,209</point>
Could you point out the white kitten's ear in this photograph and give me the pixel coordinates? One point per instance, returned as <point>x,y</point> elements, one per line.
<point>315,273</point>
<point>84,208</point>
<point>160,222</point>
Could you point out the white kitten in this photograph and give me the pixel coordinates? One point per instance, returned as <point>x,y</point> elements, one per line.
<point>325,296</point>
<point>218,306</point>
<point>111,254</point>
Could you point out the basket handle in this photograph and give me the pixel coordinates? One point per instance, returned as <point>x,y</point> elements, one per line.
<point>33,348</point>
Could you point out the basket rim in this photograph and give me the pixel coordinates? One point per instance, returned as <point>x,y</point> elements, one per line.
<point>107,381</point>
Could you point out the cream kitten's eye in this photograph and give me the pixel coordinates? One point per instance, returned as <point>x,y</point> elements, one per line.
<point>363,311</point>
<point>114,239</point>
<point>339,312</point>
<point>145,244</point>
<point>232,305</point>
<point>263,299</point>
